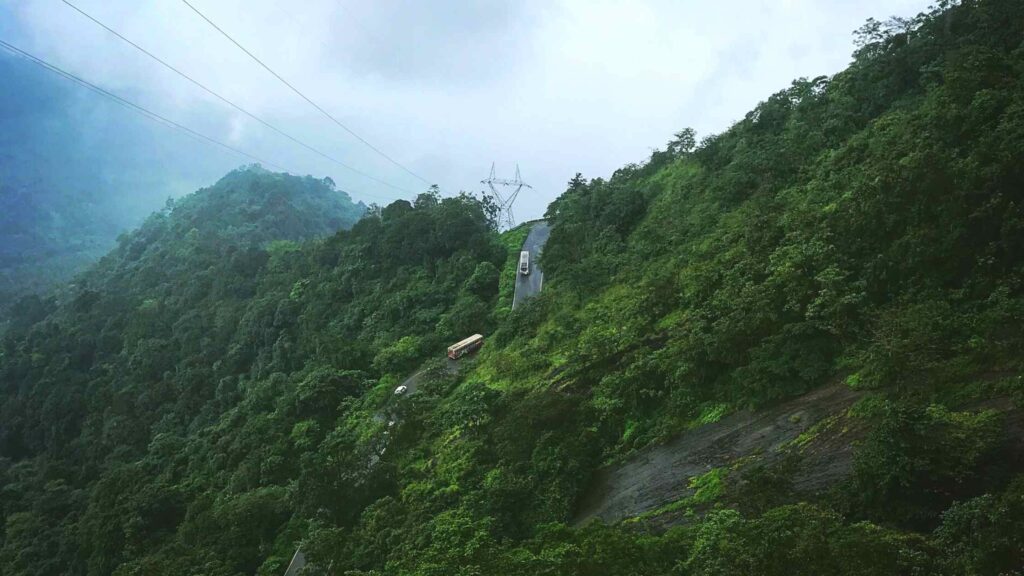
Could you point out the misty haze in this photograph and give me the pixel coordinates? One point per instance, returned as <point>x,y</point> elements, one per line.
<point>564,287</point>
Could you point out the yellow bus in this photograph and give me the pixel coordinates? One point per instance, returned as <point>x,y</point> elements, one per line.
<point>463,347</point>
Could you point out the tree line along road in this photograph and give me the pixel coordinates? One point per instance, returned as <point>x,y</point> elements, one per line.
<point>529,285</point>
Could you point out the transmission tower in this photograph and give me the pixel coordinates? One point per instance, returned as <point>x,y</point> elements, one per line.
<point>510,190</point>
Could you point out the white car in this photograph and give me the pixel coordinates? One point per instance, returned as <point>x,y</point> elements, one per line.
<point>524,262</point>
<point>401,390</point>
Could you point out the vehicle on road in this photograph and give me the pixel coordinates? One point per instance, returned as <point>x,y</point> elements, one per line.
<point>465,346</point>
<point>401,390</point>
<point>524,262</point>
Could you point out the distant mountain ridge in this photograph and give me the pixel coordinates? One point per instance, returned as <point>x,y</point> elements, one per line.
<point>249,206</point>
<point>252,204</point>
<point>77,170</point>
<point>241,215</point>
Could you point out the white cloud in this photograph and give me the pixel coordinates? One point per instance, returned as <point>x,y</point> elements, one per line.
<point>446,87</point>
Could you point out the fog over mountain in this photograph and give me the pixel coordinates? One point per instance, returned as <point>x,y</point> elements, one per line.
<point>76,170</point>
<point>446,88</point>
<point>770,321</point>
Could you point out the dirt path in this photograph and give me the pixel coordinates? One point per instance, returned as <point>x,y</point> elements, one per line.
<point>659,475</point>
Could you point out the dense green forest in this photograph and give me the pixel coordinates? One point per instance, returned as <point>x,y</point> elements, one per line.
<point>216,392</point>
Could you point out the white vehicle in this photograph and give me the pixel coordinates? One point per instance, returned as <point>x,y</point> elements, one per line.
<point>401,390</point>
<point>524,263</point>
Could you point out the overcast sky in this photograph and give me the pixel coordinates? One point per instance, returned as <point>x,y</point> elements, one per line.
<point>446,87</point>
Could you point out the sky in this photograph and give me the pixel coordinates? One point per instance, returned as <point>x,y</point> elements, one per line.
<point>444,87</point>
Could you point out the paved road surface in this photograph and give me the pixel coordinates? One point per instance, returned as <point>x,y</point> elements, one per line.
<point>529,285</point>
<point>412,383</point>
<point>297,564</point>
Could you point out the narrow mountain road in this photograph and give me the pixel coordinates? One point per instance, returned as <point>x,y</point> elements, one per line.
<point>297,564</point>
<point>530,285</point>
<point>412,383</point>
<point>526,286</point>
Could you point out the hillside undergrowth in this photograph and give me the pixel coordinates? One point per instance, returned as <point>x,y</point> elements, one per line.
<point>205,404</point>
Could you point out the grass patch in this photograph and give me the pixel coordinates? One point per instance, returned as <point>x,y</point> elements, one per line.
<point>811,433</point>
<point>706,487</point>
<point>709,414</point>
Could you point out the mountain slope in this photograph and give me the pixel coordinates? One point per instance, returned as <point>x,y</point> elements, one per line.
<point>198,405</point>
<point>176,345</point>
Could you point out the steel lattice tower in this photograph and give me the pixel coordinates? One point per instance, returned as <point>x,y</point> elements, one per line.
<point>511,191</point>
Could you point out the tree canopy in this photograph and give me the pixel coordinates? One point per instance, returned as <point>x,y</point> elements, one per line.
<point>217,391</point>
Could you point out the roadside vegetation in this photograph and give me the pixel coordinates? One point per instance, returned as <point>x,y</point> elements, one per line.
<point>208,397</point>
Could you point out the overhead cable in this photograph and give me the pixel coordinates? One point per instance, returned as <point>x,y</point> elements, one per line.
<point>146,112</point>
<point>236,106</point>
<point>327,114</point>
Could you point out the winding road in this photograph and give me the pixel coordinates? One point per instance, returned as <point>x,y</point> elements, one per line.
<point>526,287</point>
<point>530,285</point>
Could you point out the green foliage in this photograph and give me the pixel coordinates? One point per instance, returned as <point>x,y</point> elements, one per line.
<point>865,225</point>
<point>801,540</point>
<point>707,486</point>
<point>399,357</point>
<point>218,390</point>
<point>229,373</point>
<point>917,461</point>
<point>984,535</point>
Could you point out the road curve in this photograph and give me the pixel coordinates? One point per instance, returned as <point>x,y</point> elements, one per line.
<point>531,284</point>
<point>526,286</point>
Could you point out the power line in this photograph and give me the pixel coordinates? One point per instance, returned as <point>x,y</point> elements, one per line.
<point>233,105</point>
<point>144,111</point>
<point>306,98</point>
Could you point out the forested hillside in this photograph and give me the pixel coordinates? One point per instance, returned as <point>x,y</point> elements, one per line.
<point>138,403</point>
<point>213,395</point>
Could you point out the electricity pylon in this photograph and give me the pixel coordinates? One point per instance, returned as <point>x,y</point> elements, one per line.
<point>511,191</point>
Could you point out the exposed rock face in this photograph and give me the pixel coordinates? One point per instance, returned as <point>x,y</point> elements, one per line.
<point>813,436</point>
<point>661,474</point>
